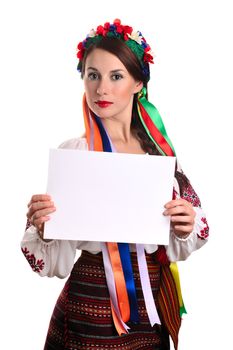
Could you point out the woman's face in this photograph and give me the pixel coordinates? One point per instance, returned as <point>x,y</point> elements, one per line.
<point>109,86</point>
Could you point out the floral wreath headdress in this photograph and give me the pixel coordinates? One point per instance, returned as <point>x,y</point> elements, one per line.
<point>148,114</point>
<point>133,39</point>
<point>116,256</point>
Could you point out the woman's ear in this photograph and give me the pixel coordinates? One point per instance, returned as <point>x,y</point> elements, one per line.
<point>138,86</point>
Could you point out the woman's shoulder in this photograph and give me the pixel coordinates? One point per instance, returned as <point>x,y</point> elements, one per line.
<point>75,143</point>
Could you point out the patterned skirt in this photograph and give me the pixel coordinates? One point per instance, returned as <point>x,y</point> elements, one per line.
<point>82,318</point>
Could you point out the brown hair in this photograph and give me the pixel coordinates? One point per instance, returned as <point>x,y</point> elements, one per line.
<point>118,48</point>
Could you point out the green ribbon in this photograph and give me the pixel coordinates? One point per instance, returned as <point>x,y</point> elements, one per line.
<point>155,117</point>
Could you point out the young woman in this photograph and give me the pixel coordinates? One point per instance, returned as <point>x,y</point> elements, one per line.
<point>114,64</point>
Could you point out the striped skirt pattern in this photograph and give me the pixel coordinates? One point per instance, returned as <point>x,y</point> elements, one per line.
<point>82,315</point>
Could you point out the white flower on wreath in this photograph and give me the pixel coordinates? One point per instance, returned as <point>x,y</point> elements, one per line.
<point>92,33</point>
<point>136,36</point>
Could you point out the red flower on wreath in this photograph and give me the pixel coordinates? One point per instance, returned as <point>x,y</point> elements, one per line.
<point>81,50</point>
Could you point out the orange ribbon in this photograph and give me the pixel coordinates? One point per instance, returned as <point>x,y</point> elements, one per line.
<point>122,295</point>
<point>97,142</point>
<point>118,324</point>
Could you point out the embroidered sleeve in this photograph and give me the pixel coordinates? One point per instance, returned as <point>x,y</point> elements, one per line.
<point>53,258</point>
<point>185,190</point>
<point>180,249</point>
<point>36,264</point>
<point>56,257</point>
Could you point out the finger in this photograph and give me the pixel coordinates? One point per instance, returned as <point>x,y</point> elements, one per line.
<point>177,202</point>
<point>39,217</point>
<point>42,212</point>
<point>39,223</point>
<point>38,206</point>
<point>41,205</point>
<point>39,197</point>
<point>183,229</point>
<point>178,210</point>
<point>183,219</point>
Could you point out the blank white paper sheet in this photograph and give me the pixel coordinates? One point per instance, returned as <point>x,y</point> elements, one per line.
<point>109,197</point>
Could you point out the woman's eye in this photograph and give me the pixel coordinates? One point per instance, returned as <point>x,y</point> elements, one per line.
<point>117,76</point>
<point>92,76</point>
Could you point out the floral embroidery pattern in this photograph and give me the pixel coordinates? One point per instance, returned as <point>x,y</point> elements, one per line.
<point>204,233</point>
<point>186,190</point>
<point>36,265</point>
<point>190,195</point>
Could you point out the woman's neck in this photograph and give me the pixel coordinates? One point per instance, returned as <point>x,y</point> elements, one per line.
<point>118,132</point>
<point>121,136</point>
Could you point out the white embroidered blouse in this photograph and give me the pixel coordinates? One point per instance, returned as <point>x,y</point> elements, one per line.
<point>56,257</point>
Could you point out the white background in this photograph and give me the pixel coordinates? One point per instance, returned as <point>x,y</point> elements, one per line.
<point>40,107</point>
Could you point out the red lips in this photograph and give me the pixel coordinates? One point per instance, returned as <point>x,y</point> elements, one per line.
<point>103,104</point>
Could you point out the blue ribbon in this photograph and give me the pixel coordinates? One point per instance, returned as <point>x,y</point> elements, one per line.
<point>130,285</point>
<point>105,139</point>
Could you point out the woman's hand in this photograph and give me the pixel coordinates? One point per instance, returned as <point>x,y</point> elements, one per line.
<point>39,208</point>
<point>182,216</point>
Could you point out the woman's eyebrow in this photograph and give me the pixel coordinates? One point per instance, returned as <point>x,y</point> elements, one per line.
<point>92,68</point>
<point>112,71</point>
<point>117,70</point>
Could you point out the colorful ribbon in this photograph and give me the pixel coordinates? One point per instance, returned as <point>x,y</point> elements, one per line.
<point>116,257</point>
<point>153,124</point>
<point>121,276</point>
<point>146,286</point>
<point>120,325</point>
<point>155,129</point>
<point>175,273</point>
<point>129,279</point>
<point>122,295</point>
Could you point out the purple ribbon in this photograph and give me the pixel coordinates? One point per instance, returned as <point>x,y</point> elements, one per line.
<point>146,286</point>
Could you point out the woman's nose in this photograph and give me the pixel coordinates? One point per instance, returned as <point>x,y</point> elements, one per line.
<point>102,88</point>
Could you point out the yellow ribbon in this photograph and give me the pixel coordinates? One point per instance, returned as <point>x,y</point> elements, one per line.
<point>175,274</point>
